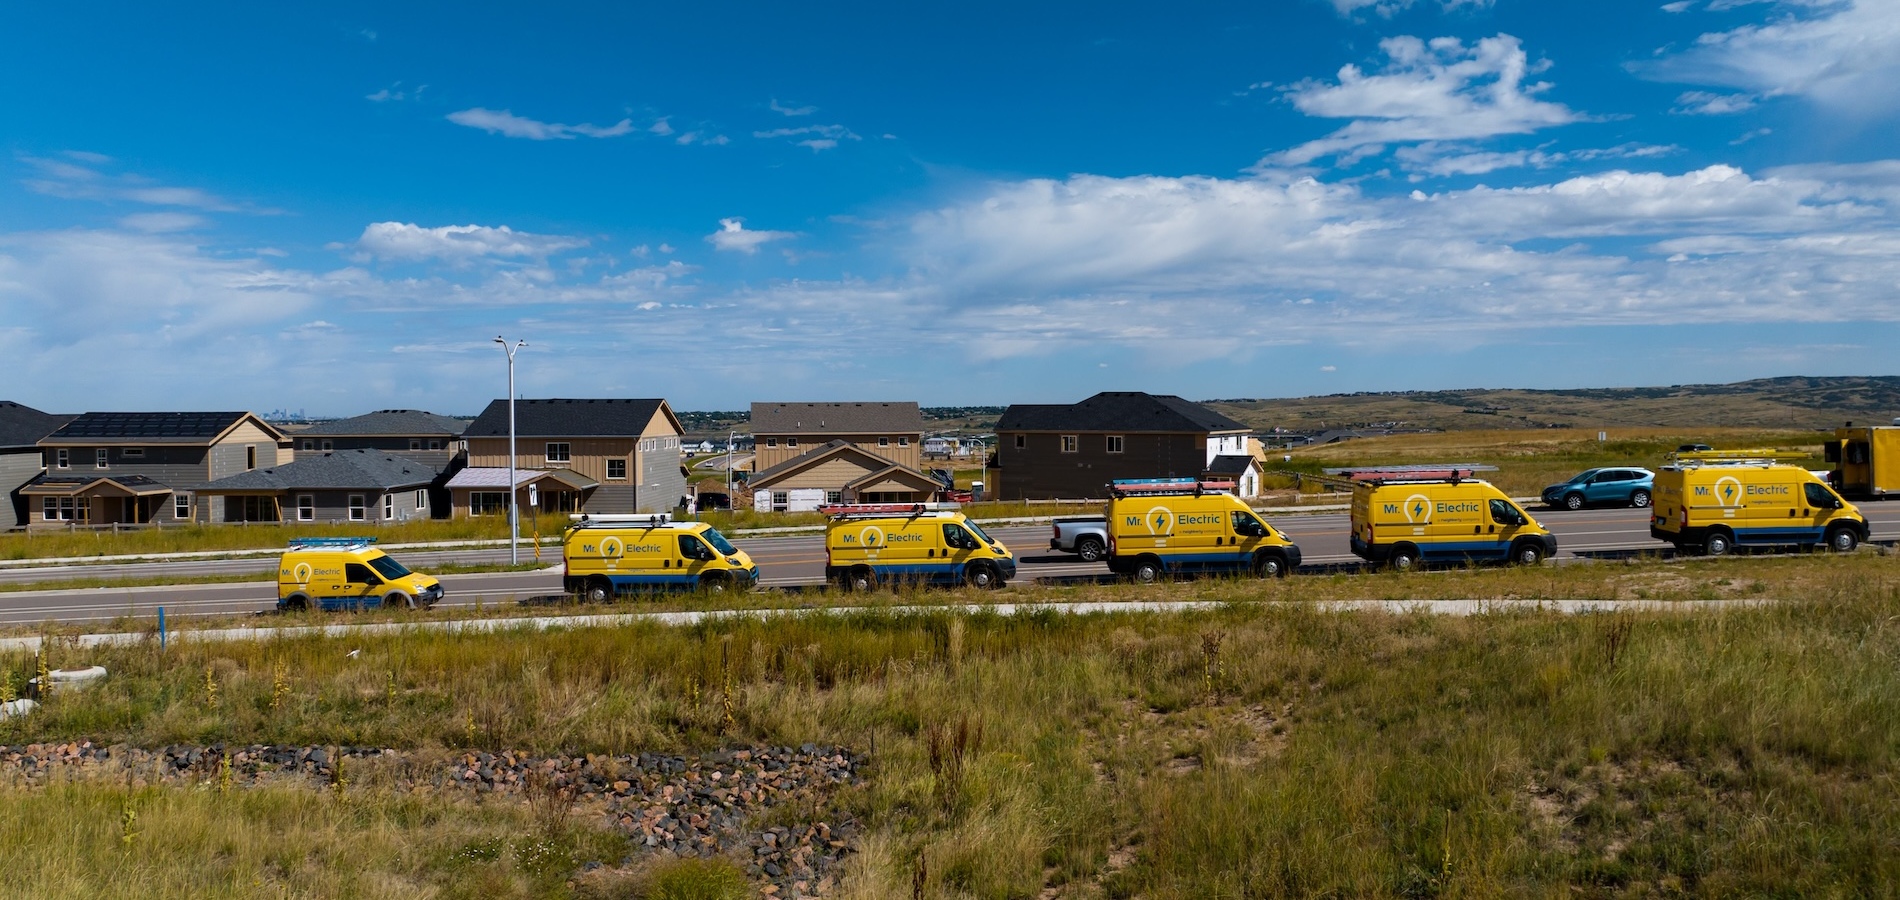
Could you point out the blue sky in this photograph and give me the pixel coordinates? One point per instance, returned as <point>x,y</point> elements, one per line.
<point>337,207</point>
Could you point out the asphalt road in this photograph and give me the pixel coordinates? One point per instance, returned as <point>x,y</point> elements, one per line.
<point>787,561</point>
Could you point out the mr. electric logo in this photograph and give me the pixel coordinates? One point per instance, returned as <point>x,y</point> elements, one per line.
<point>1729,489</point>
<point>301,573</point>
<point>872,536</point>
<point>611,547</point>
<point>1418,509</point>
<point>1159,519</point>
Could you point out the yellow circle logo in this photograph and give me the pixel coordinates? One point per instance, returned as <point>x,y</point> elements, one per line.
<point>612,547</point>
<point>301,573</point>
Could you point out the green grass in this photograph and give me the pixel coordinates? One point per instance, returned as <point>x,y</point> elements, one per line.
<point>1261,749</point>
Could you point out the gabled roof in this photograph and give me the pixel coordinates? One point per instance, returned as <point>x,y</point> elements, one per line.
<point>870,461</point>
<point>837,418</point>
<point>476,477</point>
<point>1231,465</point>
<point>392,423</point>
<point>154,428</point>
<point>901,474</point>
<point>1119,411</point>
<point>354,470</point>
<point>71,485</point>
<point>570,418</point>
<point>24,426</point>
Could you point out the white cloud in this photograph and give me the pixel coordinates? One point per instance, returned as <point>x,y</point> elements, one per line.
<point>1840,54</point>
<point>506,123</point>
<point>1442,90</point>
<point>700,137</point>
<point>396,93</point>
<point>661,127</point>
<point>822,137</point>
<point>1434,158</point>
<point>1389,8</point>
<point>402,241</point>
<point>792,110</point>
<point>58,178</point>
<point>1703,103</point>
<point>733,235</point>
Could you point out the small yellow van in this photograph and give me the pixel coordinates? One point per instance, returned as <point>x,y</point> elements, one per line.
<point>348,573</point>
<point>1716,500</point>
<point>1162,526</point>
<point>872,544</point>
<point>1403,518</point>
<point>604,556</point>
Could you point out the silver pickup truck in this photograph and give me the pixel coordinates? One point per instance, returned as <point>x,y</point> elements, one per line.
<point>1084,536</point>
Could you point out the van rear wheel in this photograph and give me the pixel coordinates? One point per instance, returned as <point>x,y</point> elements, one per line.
<point>860,579</point>
<point>1842,540</point>
<point>299,601</point>
<point>1148,570</point>
<point>1404,558</point>
<point>1716,544</point>
<point>598,590</point>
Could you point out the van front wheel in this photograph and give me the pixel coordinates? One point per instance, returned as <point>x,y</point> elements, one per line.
<point>1842,540</point>
<point>1269,565</point>
<point>983,575</point>
<point>1527,554</point>
<point>713,583</point>
<point>398,600</point>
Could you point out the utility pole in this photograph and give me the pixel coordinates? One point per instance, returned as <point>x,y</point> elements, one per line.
<point>514,514</point>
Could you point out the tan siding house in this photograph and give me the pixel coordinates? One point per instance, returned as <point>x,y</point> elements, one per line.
<point>613,456</point>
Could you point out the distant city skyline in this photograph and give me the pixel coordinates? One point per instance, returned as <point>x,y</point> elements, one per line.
<point>970,205</point>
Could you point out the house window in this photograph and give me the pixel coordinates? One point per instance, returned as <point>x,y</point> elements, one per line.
<point>329,446</point>
<point>306,508</point>
<point>435,445</point>
<point>62,459</point>
<point>422,499</point>
<point>903,442</point>
<point>488,503</point>
<point>181,507</point>
<point>780,500</point>
<point>389,507</point>
<point>250,457</point>
<point>769,442</point>
<point>791,442</point>
<point>252,509</point>
<point>834,496</point>
<point>99,458</point>
<point>558,453</point>
<point>359,511</point>
<point>65,509</point>
<point>1068,443</point>
<point>883,442</point>
<point>616,469</point>
<point>132,453</point>
<point>415,443</point>
<point>309,446</point>
<point>1022,440</point>
<point>1114,443</point>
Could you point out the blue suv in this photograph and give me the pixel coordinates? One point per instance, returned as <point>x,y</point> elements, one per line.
<point>1607,486</point>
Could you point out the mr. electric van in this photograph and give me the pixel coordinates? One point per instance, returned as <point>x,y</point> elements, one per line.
<point>604,556</point>
<point>870,544</point>
<point>348,573</point>
<point>1715,501</point>
<point>1404,517</point>
<point>1161,526</point>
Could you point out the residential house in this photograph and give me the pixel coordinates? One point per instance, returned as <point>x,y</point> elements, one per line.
<point>146,467</point>
<point>1072,451</point>
<point>599,456</point>
<point>809,454</point>
<point>346,486</point>
<point>21,428</point>
<point>431,439</point>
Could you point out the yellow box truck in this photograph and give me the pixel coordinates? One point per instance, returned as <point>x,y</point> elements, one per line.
<point>1714,501</point>
<point>1162,526</point>
<point>1866,460</point>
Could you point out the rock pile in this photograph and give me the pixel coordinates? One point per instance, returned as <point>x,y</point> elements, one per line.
<point>678,804</point>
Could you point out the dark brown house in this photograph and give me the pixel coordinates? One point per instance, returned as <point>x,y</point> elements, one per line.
<point>1070,451</point>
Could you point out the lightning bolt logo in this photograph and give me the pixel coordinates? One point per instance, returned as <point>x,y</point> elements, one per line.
<point>1158,520</point>
<point>1418,509</point>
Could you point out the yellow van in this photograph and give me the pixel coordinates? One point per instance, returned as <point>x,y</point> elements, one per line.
<point>348,573</point>
<point>929,543</point>
<point>1715,501</point>
<point>1402,518</point>
<point>604,556</point>
<point>1162,526</point>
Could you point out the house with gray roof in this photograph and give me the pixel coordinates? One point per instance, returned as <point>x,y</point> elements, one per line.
<point>1073,450</point>
<point>602,456</point>
<point>782,431</point>
<point>21,428</point>
<point>141,468</point>
<point>413,432</point>
<point>346,486</point>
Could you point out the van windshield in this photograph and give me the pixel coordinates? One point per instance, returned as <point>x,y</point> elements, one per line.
<point>718,541</point>
<point>979,532</point>
<point>388,567</point>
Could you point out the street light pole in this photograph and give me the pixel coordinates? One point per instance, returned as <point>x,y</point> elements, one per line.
<point>730,437</point>
<point>514,515</point>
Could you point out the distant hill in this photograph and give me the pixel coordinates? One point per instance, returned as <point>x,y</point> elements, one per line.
<point>1799,402</point>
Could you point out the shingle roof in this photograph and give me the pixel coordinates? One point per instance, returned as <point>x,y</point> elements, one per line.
<point>1230,465</point>
<point>490,477</point>
<point>397,422</point>
<point>1123,411</point>
<point>837,418</point>
<point>24,426</point>
<point>54,483</point>
<point>875,463</point>
<point>568,418</point>
<point>348,470</point>
<point>149,427</point>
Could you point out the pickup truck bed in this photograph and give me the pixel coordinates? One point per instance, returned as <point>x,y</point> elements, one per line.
<point>1084,536</point>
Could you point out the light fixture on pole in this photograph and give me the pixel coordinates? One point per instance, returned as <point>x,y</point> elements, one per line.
<point>514,516</point>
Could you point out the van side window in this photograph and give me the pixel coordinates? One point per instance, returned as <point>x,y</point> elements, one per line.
<point>691,548</point>
<point>1246,524</point>
<point>955,536</point>
<point>1820,497</point>
<point>1503,513</point>
<point>357,573</point>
